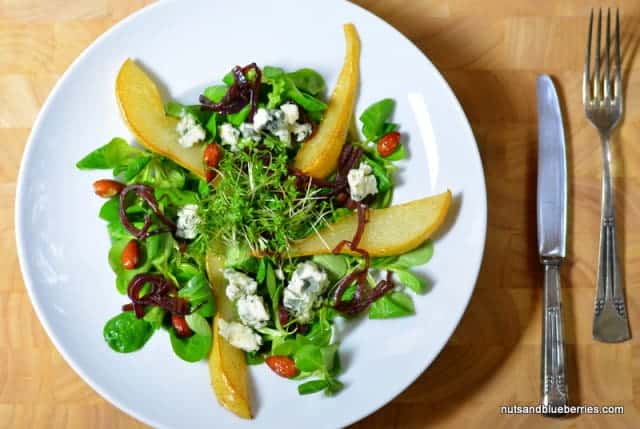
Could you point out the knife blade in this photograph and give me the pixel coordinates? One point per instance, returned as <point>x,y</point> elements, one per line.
<point>552,173</point>
<point>552,242</point>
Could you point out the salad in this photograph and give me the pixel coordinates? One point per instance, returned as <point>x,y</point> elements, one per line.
<point>250,221</point>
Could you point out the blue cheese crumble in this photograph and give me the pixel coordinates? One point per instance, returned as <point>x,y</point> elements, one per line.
<point>229,136</point>
<point>307,283</point>
<point>281,123</point>
<point>188,220</point>
<point>239,335</point>
<point>252,311</point>
<point>239,284</point>
<point>362,182</point>
<point>189,131</point>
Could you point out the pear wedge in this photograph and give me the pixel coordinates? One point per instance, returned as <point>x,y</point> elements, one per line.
<point>227,364</point>
<point>318,157</point>
<point>391,231</point>
<point>143,111</point>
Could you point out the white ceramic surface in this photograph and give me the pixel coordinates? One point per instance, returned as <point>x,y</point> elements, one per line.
<point>188,44</point>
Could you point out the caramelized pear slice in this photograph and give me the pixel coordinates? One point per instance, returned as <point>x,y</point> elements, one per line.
<point>143,112</point>
<point>391,231</point>
<point>318,157</point>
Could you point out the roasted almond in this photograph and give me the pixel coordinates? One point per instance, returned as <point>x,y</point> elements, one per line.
<point>180,325</point>
<point>284,366</point>
<point>388,143</point>
<point>130,255</point>
<point>107,188</point>
<point>212,155</point>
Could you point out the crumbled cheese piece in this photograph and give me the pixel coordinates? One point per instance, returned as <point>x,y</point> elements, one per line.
<point>279,274</point>
<point>283,135</point>
<point>190,132</point>
<point>291,113</point>
<point>229,136</point>
<point>239,284</point>
<point>239,335</point>
<point>305,287</point>
<point>302,131</point>
<point>362,182</point>
<point>188,220</point>
<point>252,311</point>
<point>249,132</point>
<point>276,121</point>
<point>279,122</point>
<point>260,119</point>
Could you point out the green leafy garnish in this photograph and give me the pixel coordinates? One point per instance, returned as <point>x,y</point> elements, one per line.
<point>285,88</point>
<point>308,80</point>
<point>312,386</point>
<point>410,280</point>
<point>395,304</point>
<point>257,203</point>
<point>374,119</point>
<point>193,348</point>
<point>125,333</point>
<point>117,155</point>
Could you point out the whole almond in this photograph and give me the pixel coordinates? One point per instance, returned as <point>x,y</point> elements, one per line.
<point>130,255</point>
<point>180,325</point>
<point>284,366</point>
<point>107,188</point>
<point>211,157</point>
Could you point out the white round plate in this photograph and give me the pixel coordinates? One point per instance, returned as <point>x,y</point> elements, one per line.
<point>187,45</point>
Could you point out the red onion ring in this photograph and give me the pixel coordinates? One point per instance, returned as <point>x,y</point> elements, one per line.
<point>239,94</point>
<point>146,193</point>
<point>159,295</point>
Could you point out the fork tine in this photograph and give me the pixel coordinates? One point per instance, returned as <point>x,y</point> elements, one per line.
<point>596,71</point>
<point>606,57</point>
<point>618,81</point>
<point>586,92</point>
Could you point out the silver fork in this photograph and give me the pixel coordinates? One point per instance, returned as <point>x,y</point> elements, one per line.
<point>602,99</point>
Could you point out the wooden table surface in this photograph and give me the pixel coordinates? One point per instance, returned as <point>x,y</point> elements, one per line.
<point>490,52</point>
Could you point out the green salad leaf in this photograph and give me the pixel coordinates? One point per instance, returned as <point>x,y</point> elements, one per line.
<point>410,280</point>
<point>191,349</point>
<point>375,117</point>
<point>125,333</point>
<point>110,209</point>
<point>198,324</point>
<point>198,292</point>
<point>118,155</point>
<point>215,93</point>
<point>336,265</point>
<point>395,304</point>
<point>155,316</point>
<point>312,386</point>
<point>240,117</point>
<point>397,155</point>
<point>285,88</point>
<point>309,358</point>
<point>177,110</point>
<point>308,80</point>
<point>418,256</point>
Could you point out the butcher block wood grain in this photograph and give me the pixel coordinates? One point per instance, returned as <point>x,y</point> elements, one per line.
<point>490,52</point>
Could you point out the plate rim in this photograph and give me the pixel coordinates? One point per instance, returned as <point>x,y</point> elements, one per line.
<point>19,199</point>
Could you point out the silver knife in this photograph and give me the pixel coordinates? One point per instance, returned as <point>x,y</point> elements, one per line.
<point>552,237</point>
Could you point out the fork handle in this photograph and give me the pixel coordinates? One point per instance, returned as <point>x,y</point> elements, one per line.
<point>553,380</point>
<point>610,322</point>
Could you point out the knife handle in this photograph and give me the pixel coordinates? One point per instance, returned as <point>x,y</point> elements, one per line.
<point>553,380</point>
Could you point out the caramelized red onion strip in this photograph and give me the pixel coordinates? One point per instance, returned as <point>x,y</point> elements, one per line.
<point>146,193</point>
<point>363,297</point>
<point>239,94</point>
<point>159,295</point>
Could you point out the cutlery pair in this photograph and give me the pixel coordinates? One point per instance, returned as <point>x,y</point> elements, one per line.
<point>602,99</point>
